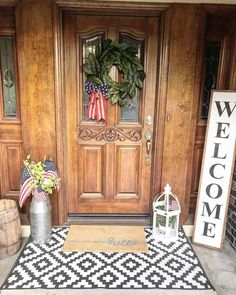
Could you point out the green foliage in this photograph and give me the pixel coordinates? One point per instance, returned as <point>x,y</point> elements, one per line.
<point>161,220</point>
<point>97,67</point>
<point>37,172</point>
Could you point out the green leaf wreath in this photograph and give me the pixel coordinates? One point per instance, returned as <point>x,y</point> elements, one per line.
<point>98,64</point>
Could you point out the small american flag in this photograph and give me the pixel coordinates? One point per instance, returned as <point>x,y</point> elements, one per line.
<point>26,185</point>
<point>27,182</point>
<point>39,194</point>
<point>173,205</point>
<point>50,171</point>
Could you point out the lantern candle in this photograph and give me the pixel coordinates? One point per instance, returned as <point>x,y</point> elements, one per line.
<point>166,211</point>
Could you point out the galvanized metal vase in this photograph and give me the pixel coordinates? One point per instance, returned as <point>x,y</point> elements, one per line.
<point>40,220</point>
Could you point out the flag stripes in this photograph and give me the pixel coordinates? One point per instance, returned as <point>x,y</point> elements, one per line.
<point>173,205</point>
<point>96,106</point>
<point>25,190</point>
<point>28,185</point>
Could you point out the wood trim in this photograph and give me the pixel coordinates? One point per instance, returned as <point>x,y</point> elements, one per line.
<point>1,97</point>
<point>7,19</point>
<point>160,105</point>
<point>196,105</point>
<point>195,175</point>
<point>219,9</point>
<point>17,90</point>
<point>120,8</point>
<point>131,219</point>
<point>223,63</point>
<point>59,105</point>
<point>202,64</point>
<point>7,191</point>
<point>232,70</point>
<point>21,82</point>
<point>147,8</point>
<point>8,3</point>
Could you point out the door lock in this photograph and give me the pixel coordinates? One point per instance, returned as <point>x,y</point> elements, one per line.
<point>149,120</point>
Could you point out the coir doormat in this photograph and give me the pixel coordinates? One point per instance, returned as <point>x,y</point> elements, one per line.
<point>164,266</point>
<point>108,238</point>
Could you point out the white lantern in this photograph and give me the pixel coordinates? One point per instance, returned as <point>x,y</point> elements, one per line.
<point>166,211</point>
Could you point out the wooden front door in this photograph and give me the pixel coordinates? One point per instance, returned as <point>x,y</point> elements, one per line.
<point>108,170</point>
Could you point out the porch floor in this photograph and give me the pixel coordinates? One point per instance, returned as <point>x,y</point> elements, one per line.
<point>220,266</point>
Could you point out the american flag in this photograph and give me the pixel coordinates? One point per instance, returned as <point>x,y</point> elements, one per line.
<point>26,185</point>
<point>27,182</point>
<point>173,205</point>
<point>39,194</point>
<point>50,171</point>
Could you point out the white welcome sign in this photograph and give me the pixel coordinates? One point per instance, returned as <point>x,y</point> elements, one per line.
<point>216,172</point>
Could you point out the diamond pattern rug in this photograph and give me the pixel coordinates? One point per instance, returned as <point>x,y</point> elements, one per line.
<point>164,266</point>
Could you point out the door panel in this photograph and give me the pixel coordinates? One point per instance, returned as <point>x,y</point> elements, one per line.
<point>107,170</point>
<point>127,172</point>
<point>92,185</point>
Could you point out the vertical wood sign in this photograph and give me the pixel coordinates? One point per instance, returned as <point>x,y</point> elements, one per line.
<point>216,172</point>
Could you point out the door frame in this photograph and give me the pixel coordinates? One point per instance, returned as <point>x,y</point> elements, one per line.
<point>122,9</point>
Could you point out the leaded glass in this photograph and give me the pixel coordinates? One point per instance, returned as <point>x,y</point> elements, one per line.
<point>89,45</point>
<point>8,76</point>
<point>130,112</point>
<point>212,56</point>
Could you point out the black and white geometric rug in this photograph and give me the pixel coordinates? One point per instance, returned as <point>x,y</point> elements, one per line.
<point>164,266</point>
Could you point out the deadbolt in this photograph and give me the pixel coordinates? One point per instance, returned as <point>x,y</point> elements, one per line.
<point>149,120</point>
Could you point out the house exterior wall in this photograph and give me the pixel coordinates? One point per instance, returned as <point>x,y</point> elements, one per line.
<point>35,31</point>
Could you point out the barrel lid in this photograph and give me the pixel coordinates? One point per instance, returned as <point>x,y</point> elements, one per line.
<point>6,205</point>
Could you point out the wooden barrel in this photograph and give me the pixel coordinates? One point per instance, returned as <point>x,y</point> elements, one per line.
<point>10,228</point>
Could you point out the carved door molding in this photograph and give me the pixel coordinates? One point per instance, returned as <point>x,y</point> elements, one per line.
<point>110,134</point>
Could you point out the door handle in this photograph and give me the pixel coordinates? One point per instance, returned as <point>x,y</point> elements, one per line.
<point>148,137</point>
<point>148,145</point>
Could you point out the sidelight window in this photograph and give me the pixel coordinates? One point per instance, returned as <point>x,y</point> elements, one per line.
<point>212,57</point>
<point>8,76</point>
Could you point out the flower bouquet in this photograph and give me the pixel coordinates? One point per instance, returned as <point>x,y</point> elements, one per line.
<point>39,179</point>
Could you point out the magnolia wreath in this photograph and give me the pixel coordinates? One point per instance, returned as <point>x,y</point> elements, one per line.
<point>100,86</point>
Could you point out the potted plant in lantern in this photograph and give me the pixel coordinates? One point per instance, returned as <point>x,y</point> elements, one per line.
<point>39,179</point>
